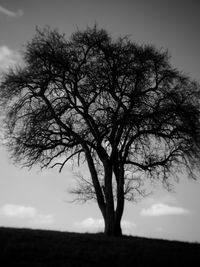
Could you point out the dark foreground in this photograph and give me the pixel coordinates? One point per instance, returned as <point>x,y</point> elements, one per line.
<point>24,247</point>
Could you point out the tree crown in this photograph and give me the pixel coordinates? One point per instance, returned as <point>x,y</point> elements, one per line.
<point>114,99</point>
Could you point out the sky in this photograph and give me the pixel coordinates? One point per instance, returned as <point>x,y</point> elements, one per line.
<point>40,199</point>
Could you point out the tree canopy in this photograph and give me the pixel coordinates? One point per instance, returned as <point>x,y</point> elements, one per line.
<point>116,105</point>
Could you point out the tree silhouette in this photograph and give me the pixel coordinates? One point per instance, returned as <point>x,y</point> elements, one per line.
<point>115,105</point>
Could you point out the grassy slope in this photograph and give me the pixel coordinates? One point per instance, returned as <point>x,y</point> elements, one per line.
<point>24,247</point>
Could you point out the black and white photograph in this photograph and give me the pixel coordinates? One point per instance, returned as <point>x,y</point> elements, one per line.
<point>99,133</point>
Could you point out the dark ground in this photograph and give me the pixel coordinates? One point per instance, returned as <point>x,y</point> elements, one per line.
<point>25,247</point>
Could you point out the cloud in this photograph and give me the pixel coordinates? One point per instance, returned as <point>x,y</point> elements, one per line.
<point>161,209</point>
<point>127,224</point>
<point>92,224</point>
<point>43,219</point>
<point>11,210</point>
<point>24,212</point>
<point>10,13</point>
<point>8,58</point>
<point>159,229</point>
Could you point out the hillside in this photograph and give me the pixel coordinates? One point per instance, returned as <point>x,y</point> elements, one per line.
<point>25,247</point>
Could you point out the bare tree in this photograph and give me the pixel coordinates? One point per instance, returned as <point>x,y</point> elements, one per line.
<point>117,106</point>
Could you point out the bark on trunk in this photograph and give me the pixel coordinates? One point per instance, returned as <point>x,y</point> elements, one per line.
<point>113,217</point>
<point>105,197</point>
<point>117,227</point>
<point>120,204</point>
<point>112,226</point>
<point>98,190</point>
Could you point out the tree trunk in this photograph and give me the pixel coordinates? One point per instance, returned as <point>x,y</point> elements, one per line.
<point>98,190</point>
<point>109,224</point>
<point>117,227</point>
<point>112,226</point>
<point>113,218</point>
<point>120,203</point>
<point>105,197</point>
<point>110,209</point>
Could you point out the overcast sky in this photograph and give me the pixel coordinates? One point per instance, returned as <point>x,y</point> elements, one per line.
<point>39,199</point>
